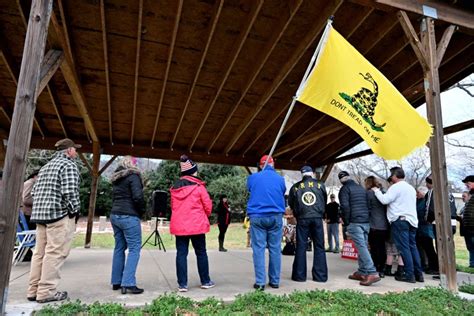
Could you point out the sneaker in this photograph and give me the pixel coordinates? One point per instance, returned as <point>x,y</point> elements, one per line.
<point>182,289</point>
<point>131,289</point>
<point>208,285</point>
<point>259,287</point>
<point>274,285</point>
<point>31,298</point>
<point>329,250</point>
<point>336,250</point>
<point>419,278</point>
<point>59,296</point>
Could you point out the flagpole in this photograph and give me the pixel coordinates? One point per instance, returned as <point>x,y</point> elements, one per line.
<point>313,62</point>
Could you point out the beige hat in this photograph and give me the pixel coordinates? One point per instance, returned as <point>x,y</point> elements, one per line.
<point>65,144</point>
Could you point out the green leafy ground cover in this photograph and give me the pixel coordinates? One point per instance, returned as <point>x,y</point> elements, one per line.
<point>427,301</point>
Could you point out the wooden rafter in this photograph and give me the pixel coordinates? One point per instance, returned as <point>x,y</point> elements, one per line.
<point>311,138</point>
<point>289,126</point>
<point>65,31</point>
<point>453,53</point>
<point>106,68</point>
<point>58,39</point>
<point>14,74</point>
<point>265,128</point>
<point>328,144</point>
<point>137,68</point>
<point>360,21</point>
<point>300,50</point>
<point>257,67</point>
<point>212,28</point>
<point>349,143</point>
<point>57,108</point>
<point>235,51</point>
<point>302,150</point>
<point>168,65</point>
<point>368,43</point>
<point>295,120</point>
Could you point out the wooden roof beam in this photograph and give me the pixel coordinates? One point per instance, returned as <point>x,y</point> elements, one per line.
<point>238,44</point>
<point>333,145</point>
<point>327,172</point>
<point>51,62</point>
<point>14,74</point>
<point>57,108</point>
<point>212,28</point>
<point>445,12</point>
<point>407,91</point>
<point>413,38</point>
<point>318,121</point>
<point>106,68</point>
<point>258,65</point>
<point>327,130</point>
<point>137,68</point>
<point>57,39</point>
<point>168,65</point>
<point>164,153</point>
<point>446,131</point>
<point>289,126</point>
<point>304,45</point>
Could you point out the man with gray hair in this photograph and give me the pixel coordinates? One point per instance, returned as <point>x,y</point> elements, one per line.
<point>55,207</point>
<point>307,198</point>
<point>355,211</point>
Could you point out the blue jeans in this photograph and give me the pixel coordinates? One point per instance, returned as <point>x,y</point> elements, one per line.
<point>359,233</point>
<point>127,234</point>
<point>310,227</point>
<point>470,247</point>
<point>266,231</point>
<point>182,248</point>
<point>404,237</point>
<point>333,232</point>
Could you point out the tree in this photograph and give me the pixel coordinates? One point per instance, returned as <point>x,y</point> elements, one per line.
<point>234,187</point>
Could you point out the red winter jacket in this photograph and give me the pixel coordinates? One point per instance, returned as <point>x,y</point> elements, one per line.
<point>191,206</point>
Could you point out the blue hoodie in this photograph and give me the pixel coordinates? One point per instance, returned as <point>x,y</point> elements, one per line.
<point>267,193</point>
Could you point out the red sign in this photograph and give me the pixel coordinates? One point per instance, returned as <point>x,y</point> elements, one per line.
<point>349,251</point>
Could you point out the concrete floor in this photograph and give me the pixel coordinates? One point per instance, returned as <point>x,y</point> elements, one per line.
<point>86,275</point>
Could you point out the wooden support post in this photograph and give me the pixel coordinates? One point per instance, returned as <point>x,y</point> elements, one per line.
<point>446,255</point>
<point>85,162</point>
<point>93,196</point>
<point>326,172</point>
<point>51,63</point>
<point>248,170</point>
<point>20,137</point>
<point>2,153</point>
<point>107,164</point>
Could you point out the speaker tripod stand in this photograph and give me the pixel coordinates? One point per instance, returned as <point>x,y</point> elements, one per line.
<point>158,241</point>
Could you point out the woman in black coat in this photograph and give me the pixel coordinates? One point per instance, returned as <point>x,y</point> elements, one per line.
<point>223,220</point>
<point>127,208</point>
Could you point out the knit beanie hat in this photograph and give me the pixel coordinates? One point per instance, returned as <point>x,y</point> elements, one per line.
<point>188,167</point>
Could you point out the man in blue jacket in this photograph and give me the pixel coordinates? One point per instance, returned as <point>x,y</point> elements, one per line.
<point>265,209</point>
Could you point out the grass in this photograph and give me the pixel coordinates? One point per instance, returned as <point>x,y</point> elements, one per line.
<point>467,288</point>
<point>235,238</point>
<point>427,301</point>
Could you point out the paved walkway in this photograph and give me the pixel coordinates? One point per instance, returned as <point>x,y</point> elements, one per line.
<point>86,274</point>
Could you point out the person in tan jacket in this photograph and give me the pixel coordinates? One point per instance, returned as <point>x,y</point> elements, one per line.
<point>27,198</point>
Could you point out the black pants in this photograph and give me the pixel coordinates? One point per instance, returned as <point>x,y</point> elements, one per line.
<point>426,243</point>
<point>310,227</point>
<point>378,253</point>
<point>222,231</point>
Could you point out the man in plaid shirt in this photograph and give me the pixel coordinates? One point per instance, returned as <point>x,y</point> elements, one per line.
<point>55,207</point>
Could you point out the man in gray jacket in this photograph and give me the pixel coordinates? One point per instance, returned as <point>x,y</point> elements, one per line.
<point>355,211</point>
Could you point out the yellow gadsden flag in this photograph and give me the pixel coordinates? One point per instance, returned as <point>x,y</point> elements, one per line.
<point>344,85</point>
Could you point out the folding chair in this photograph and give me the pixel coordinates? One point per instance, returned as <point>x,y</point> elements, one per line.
<point>25,239</point>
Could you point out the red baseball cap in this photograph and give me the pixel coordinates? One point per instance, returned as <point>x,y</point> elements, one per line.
<point>264,158</point>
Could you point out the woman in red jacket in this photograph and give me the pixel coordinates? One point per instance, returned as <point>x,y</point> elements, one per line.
<point>191,207</point>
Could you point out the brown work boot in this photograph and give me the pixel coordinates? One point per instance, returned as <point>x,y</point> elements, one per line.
<point>356,276</point>
<point>369,279</point>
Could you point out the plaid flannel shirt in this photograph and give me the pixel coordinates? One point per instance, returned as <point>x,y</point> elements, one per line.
<point>56,192</point>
